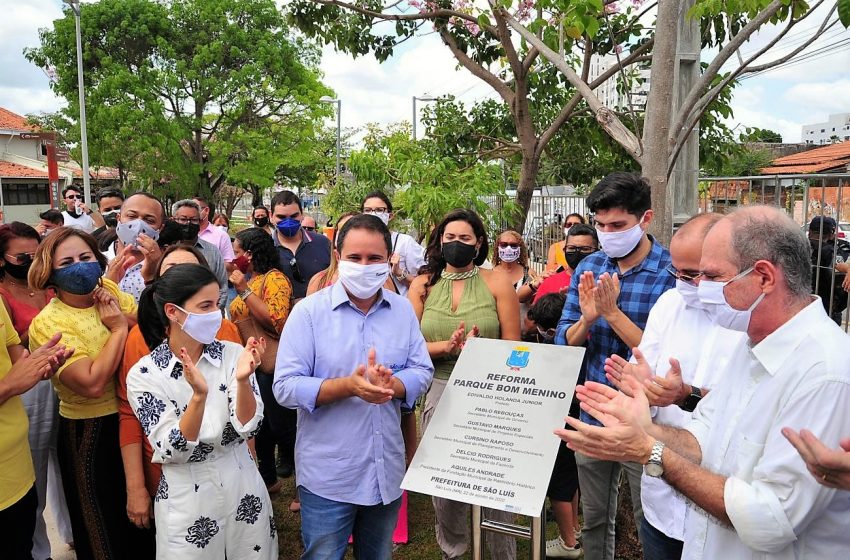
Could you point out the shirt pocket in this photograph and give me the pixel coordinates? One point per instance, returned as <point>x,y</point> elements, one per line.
<point>748,454</point>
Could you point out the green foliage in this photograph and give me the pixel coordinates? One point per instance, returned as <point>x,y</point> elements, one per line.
<point>746,162</point>
<point>189,94</point>
<point>844,12</point>
<point>423,183</point>
<point>756,134</point>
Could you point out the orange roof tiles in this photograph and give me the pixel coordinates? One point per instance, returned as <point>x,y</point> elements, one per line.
<point>14,121</point>
<point>9,169</point>
<point>833,156</point>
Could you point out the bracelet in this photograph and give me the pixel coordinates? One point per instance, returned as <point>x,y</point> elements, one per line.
<point>244,295</point>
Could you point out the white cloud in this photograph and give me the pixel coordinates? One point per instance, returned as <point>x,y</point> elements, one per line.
<point>821,98</point>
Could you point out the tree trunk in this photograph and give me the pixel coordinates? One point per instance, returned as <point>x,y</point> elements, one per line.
<point>525,189</point>
<point>659,106</point>
<point>256,196</point>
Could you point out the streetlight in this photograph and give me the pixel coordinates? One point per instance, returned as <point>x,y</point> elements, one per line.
<point>423,98</point>
<point>328,99</point>
<point>84,144</point>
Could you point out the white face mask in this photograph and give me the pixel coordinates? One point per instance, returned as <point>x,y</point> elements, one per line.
<point>689,293</point>
<point>222,227</point>
<point>509,254</point>
<point>383,216</point>
<point>129,232</point>
<point>363,280</point>
<point>618,244</point>
<point>201,326</point>
<point>712,296</point>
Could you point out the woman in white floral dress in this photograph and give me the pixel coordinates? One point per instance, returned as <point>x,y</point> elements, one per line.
<point>197,401</point>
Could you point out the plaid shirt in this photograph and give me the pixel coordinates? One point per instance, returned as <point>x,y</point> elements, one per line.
<point>640,288</point>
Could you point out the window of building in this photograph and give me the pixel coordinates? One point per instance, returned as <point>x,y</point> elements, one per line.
<point>21,194</point>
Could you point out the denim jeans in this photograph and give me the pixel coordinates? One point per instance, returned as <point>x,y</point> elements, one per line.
<point>326,526</point>
<point>657,545</point>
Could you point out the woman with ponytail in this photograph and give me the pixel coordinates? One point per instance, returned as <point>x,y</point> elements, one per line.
<point>197,400</point>
<point>141,473</point>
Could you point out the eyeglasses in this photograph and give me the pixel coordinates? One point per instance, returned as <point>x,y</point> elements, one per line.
<point>380,210</point>
<point>22,258</point>
<point>182,220</point>
<point>309,228</point>
<point>74,197</point>
<point>585,249</point>
<point>296,273</point>
<point>571,224</point>
<point>687,276</point>
<point>547,333</point>
<point>511,244</point>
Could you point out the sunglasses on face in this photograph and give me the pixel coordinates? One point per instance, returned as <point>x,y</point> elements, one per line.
<point>309,228</point>
<point>296,273</point>
<point>687,276</point>
<point>74,197</point>
<point>571,224</point>
<point>511,244</point>
<point>22,258</point>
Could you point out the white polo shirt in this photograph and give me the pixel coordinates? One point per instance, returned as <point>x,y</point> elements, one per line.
<point>83,221</point>
<point>675,330</point>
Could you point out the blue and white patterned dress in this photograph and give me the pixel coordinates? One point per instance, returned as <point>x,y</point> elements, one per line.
<point>211,502</point>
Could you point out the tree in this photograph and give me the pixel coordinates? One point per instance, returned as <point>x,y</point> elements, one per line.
<point>484,45</point>
<point>568,34</point>
<point>760,135</point>
<point>423,182</point>
<point>188,93</point>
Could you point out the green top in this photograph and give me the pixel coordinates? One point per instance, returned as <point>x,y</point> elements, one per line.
<point>477,308</point>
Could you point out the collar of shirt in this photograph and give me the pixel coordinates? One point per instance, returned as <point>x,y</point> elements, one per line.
<point>305,238</point>
<point>339,296</point>
<point>776,349</point>
<point>165,359</point>
<point>651,263</point>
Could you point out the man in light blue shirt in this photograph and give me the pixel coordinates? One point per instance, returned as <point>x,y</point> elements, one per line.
<point>349,356</point>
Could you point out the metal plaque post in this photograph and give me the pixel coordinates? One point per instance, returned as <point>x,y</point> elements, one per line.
<point>536,533</point>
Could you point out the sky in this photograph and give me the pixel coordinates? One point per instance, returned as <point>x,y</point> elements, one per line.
<point>782,100</point>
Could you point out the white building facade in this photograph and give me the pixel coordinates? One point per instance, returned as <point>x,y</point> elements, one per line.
<point>836,129</point>
<point>623,90</point>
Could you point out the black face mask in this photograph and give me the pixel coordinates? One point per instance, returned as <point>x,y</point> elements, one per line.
<point>573,258</point>
<point>17,271</point>
<point>110,219</point>
<point>189,232</point>
<point>459,254</point>
<point>261,222</point>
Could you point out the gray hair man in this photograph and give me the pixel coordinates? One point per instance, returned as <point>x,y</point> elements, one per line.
<point>752,495</point>
<point>187,214</point>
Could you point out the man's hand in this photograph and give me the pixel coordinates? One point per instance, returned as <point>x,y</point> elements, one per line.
<point>830,467</point>
<point>617,367</point>
<point>664,391</point>
<point>395,263</point>
<point>605,295</point>
<point>625,419</point>
<point>369,383</point>
<point>586,301</point>
<point>152,254</point>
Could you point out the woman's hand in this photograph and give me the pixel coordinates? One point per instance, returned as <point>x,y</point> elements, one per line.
<point>238,280</point>
<point>110,313</point>
<point>193,376</point>
<point>139,507</point>
<point>250,358</point>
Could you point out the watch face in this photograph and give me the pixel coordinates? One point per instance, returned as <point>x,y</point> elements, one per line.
<point>654,469</point>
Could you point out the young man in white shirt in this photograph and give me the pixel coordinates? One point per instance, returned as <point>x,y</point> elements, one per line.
<point>681,340</point>
<point>407,255</point>
<point>77,214</point>
<point>752,494</point>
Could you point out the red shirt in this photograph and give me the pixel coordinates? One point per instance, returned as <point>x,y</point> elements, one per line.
<point>553,285</point>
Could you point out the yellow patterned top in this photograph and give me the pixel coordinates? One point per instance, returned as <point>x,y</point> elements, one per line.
<point>82,330</point>
<point>276,294</point>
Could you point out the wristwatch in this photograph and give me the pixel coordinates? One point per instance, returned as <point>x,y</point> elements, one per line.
<point>654,467</point>
<point>692,400</point>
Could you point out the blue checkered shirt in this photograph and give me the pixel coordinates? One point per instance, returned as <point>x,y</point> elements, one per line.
<point>640,288</point>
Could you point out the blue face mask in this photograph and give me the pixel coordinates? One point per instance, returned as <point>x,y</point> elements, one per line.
<point>80,278</point>
<point>288,227</point>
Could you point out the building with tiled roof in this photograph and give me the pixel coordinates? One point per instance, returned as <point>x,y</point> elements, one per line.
<point>834,158</point>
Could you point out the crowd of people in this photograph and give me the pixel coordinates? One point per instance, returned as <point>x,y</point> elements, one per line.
<point>162,374</point>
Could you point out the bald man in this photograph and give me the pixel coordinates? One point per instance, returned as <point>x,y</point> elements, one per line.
<point>679,327</point>
<point>751,495</point>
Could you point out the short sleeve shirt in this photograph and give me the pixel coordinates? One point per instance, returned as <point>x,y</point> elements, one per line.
<point>83,222</point>
<point>82,330</point>
<point>16,470</point>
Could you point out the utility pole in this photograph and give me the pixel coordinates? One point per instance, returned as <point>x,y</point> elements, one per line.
<point>683,185</point>
<point>84,144</point>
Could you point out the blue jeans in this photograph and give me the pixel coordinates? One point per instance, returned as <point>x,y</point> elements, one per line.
<point>326,526</point>
<point>657,545</point>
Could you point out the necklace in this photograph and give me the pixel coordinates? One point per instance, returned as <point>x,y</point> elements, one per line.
<point>460,275</point>
<point>23,287</point>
